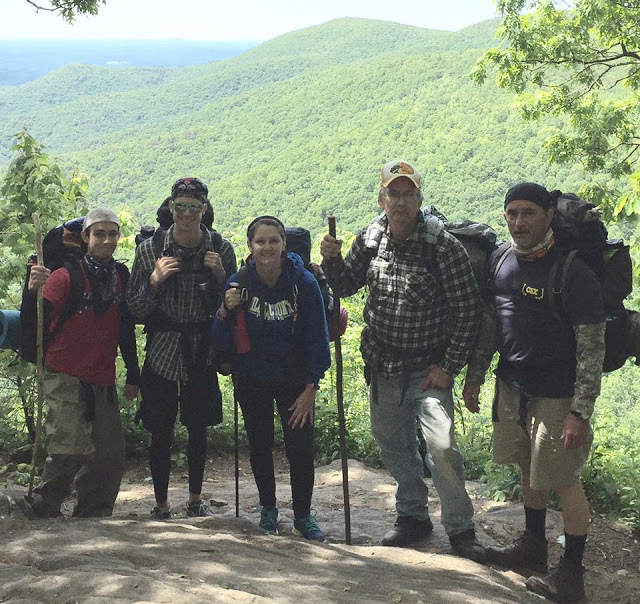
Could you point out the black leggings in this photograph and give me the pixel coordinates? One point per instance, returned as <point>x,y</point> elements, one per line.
<point>160,460</point>
<point>256,401</point>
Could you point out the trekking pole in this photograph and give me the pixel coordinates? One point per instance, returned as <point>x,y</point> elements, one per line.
<point>236,453</point>
<point>39,355</point>
<point>340,402</point>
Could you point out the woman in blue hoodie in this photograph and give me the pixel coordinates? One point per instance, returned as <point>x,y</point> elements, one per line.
<point>277,303</point>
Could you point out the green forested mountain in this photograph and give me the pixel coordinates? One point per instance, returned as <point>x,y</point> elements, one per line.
<point>298,126</point>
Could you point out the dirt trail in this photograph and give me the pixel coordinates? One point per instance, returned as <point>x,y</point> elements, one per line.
<point>129,558</point>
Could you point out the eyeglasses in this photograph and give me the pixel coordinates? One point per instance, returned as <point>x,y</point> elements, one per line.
<point>408,196</point>
<point>183,208</point>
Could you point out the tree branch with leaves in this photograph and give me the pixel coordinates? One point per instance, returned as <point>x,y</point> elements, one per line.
<point>68,9</point>
<point>581,61</point>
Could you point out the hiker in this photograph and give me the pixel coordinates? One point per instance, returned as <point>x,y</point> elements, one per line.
<point>548,378</point>
<point>176,280</point>
<point>284,359</point>
<point>85,439</point>
<point>421,315</point>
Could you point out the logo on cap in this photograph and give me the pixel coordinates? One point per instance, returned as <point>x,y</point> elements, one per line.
<point>402,168</point>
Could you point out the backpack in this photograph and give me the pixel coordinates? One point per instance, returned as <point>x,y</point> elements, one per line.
<point>299,242</point>
<point>578,231</point>
<point>62,246</point>
<point>478,239</point>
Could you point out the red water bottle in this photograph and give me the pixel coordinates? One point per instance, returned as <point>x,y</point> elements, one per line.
<point>241,335</point>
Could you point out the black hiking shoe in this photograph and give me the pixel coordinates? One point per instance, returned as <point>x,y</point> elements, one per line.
<point>466,545</point>
<point>160,513</point>
<point>197,508</point>
<point>565,583</point>
<point>526,552</point>
<point>407,530</point>
<point>39,509</point>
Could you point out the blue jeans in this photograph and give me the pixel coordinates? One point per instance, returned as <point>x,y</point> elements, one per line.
<point>395,404</point>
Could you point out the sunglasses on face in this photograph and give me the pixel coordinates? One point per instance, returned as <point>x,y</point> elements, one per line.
<point>408,196</point>
<point>183,208</point>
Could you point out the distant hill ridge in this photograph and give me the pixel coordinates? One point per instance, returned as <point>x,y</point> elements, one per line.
<point>23,61</point>
<point>298,125</point>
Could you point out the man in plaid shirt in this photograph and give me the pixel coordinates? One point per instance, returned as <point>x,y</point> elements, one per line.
<point>176,280</point>
<point>421,315</point>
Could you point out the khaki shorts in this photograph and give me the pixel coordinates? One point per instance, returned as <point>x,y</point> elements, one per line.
<point>539,442</point>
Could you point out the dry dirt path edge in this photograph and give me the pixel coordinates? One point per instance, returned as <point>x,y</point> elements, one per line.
<point>129,558</point>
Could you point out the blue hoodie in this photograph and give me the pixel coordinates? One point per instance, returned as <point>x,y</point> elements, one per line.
<point>269,319</point>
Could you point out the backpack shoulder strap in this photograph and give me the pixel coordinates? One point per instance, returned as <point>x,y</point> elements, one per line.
<point>123,273</point>
<point>76,293</point>
<point>157,241</point>
<point>216,240</point>
<point>244,283</point>
<point>558,281</point>
<point>497,260</point>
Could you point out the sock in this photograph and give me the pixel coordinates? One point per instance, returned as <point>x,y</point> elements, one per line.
<point>535,521</point>
<point>574,547</point>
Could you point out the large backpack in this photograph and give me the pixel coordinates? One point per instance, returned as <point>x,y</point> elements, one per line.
<point>62,246</point>
<point>578,231</point>
<point>478,239</point>
<point>299,241</point>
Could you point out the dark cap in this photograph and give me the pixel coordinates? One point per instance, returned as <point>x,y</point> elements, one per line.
<point>529,191</point>
<point>190,187</point>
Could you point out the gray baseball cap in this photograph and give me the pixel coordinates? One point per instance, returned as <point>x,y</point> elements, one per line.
<point>100,215</point>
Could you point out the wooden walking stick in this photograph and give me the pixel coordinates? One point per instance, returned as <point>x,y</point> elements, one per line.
<point>39,358</point>
<point>340,401</point>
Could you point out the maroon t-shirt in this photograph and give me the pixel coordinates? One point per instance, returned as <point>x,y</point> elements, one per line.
<point>86,347</point>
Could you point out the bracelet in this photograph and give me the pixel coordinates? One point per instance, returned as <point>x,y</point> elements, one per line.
<point>219,317</point>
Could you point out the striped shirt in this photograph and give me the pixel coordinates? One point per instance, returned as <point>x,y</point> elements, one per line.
<point>184,298</point>
<point>423,305</point>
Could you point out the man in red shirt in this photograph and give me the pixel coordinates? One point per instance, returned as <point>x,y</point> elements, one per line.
<point>85,442</point>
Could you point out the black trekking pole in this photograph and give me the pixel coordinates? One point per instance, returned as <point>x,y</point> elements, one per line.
<point>340,402</point>
<point>235,448</point>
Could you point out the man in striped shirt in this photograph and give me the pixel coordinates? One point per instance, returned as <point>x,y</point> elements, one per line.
<point>176,279</point>
<point>422,313</point>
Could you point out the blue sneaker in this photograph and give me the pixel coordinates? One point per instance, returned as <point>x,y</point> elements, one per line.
<point>308,528</point>
<point>269,520</point>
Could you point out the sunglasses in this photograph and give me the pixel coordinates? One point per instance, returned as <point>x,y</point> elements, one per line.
<point>409,196</point>
<point>190,186</point>
<point>183,208</point>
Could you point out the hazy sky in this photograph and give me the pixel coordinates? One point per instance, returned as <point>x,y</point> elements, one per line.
<point>231,19</point>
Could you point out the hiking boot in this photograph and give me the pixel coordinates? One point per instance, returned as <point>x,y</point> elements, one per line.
<point>39,509</point>
<point>160,513</point>
<point>269,520</point>
<point>565,583</point>
<point>466,545</point>
<point>526,552</point>
<point>407,530</point>
<point>308,528</point>
<point>197,508</point>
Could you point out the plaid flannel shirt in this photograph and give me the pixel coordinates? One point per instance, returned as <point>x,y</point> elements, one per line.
<point>180,298</point>
<point>423,305</point>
